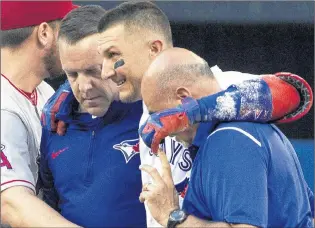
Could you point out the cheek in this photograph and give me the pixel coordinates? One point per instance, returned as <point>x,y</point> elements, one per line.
<point>74,87</point>
<point>138,64</point>
<point>108,88</point>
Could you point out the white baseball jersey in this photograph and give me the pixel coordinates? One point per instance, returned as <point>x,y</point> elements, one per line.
<point>21,133</point>
<point>176,153</point>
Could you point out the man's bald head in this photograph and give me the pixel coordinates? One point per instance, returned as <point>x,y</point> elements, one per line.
<point>174,74</point>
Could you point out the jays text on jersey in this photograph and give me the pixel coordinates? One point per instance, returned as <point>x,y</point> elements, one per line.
<point>176,153</point>
<point>91,174</point>
<point>21,133</point>
<point>249,173</point>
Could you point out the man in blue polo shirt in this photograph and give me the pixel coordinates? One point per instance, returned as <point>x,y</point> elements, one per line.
<point>244,174</point>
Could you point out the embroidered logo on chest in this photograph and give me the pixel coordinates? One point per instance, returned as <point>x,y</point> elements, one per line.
<point>129,148</point>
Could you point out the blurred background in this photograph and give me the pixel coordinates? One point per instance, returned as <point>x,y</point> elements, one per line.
<point>254,37</point>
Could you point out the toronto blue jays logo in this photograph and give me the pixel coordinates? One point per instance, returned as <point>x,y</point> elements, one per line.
<point>129,148</point>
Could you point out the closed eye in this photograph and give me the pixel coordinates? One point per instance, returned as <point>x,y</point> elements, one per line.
<point>72,74</point>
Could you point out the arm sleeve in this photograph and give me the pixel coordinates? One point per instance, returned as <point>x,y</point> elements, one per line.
<point>50,195</point>
<point>235,178</point>
<point>15,154</point>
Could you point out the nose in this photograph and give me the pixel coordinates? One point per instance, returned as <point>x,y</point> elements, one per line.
<point>107,69</point>
<point>85,85</point>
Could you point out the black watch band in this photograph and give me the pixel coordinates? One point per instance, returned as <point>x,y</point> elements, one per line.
<point>176,217</point>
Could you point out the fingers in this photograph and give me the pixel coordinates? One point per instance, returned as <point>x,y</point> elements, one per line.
<point>156,177</point>
<point>143,196</point>
<point>164,162</point>
<point>147,187</point>
<point>61,128</point>
<point>166,169</point>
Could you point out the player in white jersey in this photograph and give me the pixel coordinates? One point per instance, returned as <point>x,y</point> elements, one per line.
<point>28,55</point>
<point>21,133</point>
<point>137,32</point>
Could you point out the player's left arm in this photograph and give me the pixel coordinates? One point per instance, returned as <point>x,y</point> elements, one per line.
<point>283,97</point>
<point>58,104</point>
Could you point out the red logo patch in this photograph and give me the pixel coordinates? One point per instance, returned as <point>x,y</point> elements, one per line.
<point>4,160</point>
<point>58,152</point>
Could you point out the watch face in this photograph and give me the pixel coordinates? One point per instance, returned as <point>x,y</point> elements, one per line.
<point>177,215</point>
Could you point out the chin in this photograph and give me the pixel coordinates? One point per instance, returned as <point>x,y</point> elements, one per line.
<point>97,111</point>
<point>129,93</point>
<point>128,97</point>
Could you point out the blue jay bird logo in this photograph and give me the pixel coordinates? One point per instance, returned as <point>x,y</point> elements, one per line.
<point>129,148</point>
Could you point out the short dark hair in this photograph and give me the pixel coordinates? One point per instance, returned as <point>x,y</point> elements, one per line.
<point>80,23</point>
<point>15,37</point>
<point>138,14</point>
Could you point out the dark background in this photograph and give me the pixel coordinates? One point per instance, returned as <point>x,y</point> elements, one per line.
<point>252,37</point>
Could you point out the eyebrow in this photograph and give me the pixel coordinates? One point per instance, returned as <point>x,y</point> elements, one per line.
<point>103,51</point>
<point>94,67</point>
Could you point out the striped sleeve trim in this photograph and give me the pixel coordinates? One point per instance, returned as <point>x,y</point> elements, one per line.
<point>11,183</point>
<point>239,130</point>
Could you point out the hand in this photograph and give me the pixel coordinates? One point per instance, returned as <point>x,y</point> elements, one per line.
<point>48,119</point>
<point>168,122</point>
<point>160,196</point>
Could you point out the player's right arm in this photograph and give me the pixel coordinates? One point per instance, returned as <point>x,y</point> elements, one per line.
<point>19,205</point>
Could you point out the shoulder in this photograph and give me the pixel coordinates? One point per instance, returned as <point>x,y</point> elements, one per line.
<point>13,128</point>
<point>250,131</point>
<point>9,96</point>
<point>227,78</point>
<point>238,141</point>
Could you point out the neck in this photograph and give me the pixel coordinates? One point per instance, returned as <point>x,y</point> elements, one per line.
<point>23,68</point>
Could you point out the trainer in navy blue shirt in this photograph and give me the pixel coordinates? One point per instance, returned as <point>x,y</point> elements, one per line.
<point>248,173</point>
<point>91,173</point>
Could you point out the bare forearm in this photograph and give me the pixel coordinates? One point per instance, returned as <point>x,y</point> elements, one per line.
<point>21,208</point>
<point>193,221</point>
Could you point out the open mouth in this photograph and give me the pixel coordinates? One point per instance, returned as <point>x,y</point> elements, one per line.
<point>121,82</point>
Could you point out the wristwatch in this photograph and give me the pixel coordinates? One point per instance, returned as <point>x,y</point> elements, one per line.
<point>176,217</point>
